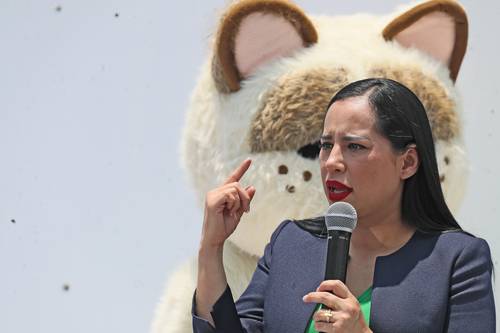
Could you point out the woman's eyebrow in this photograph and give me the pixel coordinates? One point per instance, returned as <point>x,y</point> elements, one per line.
<point>350,137</point>
<point>347,137</point>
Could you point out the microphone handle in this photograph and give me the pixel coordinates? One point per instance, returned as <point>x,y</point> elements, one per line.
<point>337,255</point>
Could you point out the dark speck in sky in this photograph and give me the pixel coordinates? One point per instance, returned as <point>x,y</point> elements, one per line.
<point>65,287</point>
<point>117,14</point>
<point>58,8</point>
<point>13,221</point>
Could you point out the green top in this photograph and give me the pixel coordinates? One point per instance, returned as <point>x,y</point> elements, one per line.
<point>365,301</point>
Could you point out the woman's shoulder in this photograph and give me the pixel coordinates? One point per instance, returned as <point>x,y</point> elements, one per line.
<point>459,243</point>
<point>460,238</point>
<point>298,228</point>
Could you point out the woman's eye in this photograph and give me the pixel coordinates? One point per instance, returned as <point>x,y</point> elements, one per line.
<point>355,146</point>
<point>325,145</point>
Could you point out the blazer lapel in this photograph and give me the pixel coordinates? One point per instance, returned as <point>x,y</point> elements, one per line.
<point>310,274</point>
<point>298,269</point>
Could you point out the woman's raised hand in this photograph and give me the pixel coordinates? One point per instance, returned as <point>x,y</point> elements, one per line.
<point>224,207</point>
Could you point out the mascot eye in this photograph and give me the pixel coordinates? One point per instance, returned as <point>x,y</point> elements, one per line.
<point>310,151</point>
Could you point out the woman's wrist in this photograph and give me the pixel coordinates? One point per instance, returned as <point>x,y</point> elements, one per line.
<point>211,279</point>
<point>210,250</point>
<point>210,262</point>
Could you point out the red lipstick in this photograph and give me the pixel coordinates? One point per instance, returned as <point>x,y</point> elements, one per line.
<point>337,191</point>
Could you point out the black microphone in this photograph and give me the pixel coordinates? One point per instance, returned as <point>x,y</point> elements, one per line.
<point>340,220</point>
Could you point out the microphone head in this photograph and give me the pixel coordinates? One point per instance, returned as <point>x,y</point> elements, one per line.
<point>341,216</point>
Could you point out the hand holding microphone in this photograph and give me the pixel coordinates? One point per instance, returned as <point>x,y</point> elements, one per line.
<point>340,310</point>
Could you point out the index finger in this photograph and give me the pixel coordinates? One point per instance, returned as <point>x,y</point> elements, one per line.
<point>337,287</point>
<point>239,172</point>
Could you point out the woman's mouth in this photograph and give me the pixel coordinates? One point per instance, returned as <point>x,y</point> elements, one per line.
<point>337,191</point>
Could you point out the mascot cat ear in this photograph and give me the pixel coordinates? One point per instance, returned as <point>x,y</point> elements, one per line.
<point>438,28</point>
<point>253,33</point>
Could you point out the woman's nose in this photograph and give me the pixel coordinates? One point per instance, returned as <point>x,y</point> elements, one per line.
<point>335,161</point>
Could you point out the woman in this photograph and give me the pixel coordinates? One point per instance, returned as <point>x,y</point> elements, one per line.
<point>421,272</point>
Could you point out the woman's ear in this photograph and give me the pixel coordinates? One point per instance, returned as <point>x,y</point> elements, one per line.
<point>411,161</point>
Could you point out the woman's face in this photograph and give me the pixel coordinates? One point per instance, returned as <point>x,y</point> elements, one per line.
<point>357,163</point>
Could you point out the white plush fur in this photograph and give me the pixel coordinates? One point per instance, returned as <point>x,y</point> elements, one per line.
<point>215,141</point>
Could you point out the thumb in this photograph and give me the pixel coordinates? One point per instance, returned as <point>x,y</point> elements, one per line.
<point>250,191</point>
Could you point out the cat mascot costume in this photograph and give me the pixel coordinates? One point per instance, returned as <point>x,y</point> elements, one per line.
<point>263,94</point>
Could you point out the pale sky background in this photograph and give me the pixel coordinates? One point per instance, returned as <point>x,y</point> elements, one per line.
<point>92,195</point>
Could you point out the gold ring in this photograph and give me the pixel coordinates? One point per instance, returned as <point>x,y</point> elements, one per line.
<point>328,315</point>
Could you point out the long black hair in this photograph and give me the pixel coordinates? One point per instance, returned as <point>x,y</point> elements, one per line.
<point>401,118</point>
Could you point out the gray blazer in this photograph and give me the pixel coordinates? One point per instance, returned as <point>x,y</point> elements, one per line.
<point>434,283</point>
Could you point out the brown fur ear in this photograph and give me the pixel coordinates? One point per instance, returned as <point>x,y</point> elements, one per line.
<point>437,27</point>
<point>253,33</point>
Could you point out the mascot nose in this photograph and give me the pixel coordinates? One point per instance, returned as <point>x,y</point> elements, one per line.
<point>283,170</point>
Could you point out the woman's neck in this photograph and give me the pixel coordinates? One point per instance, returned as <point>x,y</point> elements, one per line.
<point>379,236</point>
